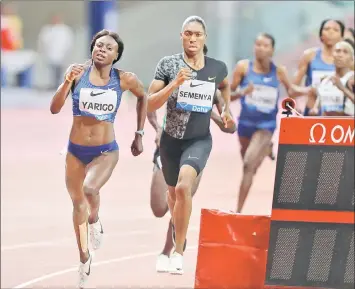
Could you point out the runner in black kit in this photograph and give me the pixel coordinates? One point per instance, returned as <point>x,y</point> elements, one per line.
<point>188,82</point>
<point>158,188</point>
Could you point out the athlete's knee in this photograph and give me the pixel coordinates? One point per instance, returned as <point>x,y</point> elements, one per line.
<point>249,166</point>
<point>159,211</point>
<point>90,189</point>
<point>183,190</point>
<point>80,206</point>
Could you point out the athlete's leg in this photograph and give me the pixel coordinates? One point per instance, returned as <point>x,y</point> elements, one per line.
<point>183,205</point>
<point>98,173</point>
<point>158,189</point>
<point>171,198</point>
<point>193,161</point>
<point>245,134</point>
<point>74,178</point>
<point>159,203</point>
<point>244,143</point>
<point>258,148</point>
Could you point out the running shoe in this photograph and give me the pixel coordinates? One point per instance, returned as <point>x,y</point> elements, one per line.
<point>96,234</point>
<point>84,272</point>
<point>176,264</point>
<point>162,265</point>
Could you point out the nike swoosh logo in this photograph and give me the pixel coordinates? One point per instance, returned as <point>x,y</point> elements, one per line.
<point>211,78</point>
<point>95,94</point>
<point>194,85</point>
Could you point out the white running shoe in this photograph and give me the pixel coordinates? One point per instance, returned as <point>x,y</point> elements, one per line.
<point>84,271</point>
<point>162,265</point>
<point>96,234</point>
<point>176,263</point>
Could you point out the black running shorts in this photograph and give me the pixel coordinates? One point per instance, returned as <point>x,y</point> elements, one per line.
<point>174,153</point>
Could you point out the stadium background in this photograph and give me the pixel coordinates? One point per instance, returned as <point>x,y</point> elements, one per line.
<point>37,247</point>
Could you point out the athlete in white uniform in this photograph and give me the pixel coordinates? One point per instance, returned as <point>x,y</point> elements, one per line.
<point>335,93</point>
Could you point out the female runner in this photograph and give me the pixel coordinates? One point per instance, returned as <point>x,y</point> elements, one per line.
<point>92,155</point>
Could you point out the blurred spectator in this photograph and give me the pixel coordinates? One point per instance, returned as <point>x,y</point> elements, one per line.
<point>16,63</point>
<point>349,34</point>
<point>11,29</point>
<point>55,41</point>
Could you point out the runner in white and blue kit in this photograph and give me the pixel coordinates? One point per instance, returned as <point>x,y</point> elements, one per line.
<point>317,63</point>
<point>92,152</point>
<point>259,80</point>
<point>335,93</point>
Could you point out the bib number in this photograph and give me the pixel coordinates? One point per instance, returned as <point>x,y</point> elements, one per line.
<point>196,96</point>
<point>97,101</point>
<point>263,98</point>
<point>332,99</point>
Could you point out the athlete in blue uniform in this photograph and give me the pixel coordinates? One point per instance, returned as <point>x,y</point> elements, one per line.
<point>317,63</point>
<point>335,94</point>
<point>259,81</point>
<point>92,150</point>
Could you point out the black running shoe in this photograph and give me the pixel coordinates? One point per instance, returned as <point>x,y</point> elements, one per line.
<point>174,238</point>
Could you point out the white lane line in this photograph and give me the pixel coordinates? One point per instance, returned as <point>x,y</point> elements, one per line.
<point>101,263</point>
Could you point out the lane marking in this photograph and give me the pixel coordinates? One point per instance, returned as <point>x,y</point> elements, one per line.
<point>57,242</point>
<point>63,240</point>
<point>101,263</point>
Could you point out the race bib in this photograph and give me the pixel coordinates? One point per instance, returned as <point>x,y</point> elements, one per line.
<point>196,95</point>
<point>331,98</point>
<point>97,101</point>
<point>263,97</point>
<point>318,76</point>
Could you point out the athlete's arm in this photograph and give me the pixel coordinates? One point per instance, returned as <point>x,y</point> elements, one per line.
<point>238,74</point>
<point>73,73</point>
<point>158,92</point>
<point>225,90</point>
<point>346,89</point>
<point>315,109</point>
<point>135,86</point>
<point>350,88</point>
<point>153,120</point>
<point>217,118</point>
<point>161,88</point>
<point>303,66</point>
<point>292,89</point>
<point>218,121</point>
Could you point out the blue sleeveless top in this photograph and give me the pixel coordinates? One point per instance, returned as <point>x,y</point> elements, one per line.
<point>318,69</point>
<point>99,102</point>
<point>262,105</point>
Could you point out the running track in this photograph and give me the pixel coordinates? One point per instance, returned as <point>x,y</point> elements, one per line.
<point>38,249</point>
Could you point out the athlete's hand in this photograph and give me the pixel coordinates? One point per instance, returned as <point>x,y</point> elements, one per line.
<point>137,145</point>
<point>227,119</point>
<point>336,81</point>
<point>157,136</point>
<point>184,73</point>
<point>73,71</point>
<point>314,111</point>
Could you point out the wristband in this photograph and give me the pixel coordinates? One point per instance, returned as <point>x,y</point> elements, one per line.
<point>67,78</point>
